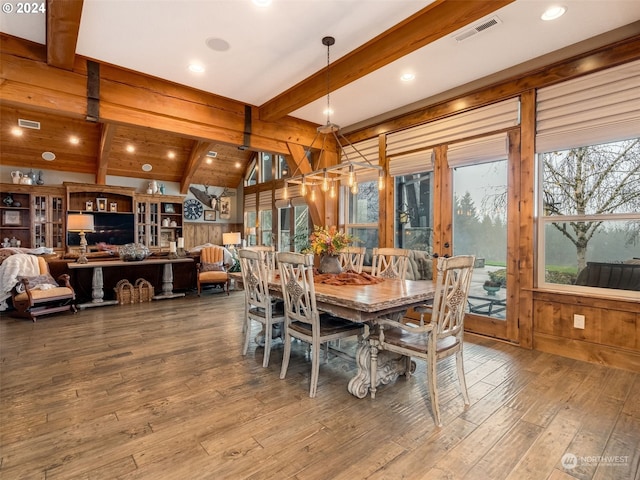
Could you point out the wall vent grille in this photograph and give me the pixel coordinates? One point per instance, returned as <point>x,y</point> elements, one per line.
<point>28,124</point>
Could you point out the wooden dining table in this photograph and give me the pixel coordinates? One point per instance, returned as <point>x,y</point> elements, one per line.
<point>366,304</point>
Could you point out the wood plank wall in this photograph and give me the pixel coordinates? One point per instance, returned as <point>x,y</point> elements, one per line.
<point>198,233</point>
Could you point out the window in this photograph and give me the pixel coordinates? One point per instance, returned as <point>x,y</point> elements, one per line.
<point>414,212</point>
<point>589,207</point>
<point>588,146</point>
<point>293,228</point>
<point>266,228</point>
<point>252,176</point>
<point>250,218</point>
<point>362,214</point>
<point>282,170</point>
<point>266,163</point>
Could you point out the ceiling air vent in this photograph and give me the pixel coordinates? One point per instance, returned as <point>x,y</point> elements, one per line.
<point>212,154</point>
<point>480,27</point>
<point>28,124</point>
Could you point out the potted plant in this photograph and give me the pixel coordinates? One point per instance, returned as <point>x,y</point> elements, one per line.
<point>491,287</point>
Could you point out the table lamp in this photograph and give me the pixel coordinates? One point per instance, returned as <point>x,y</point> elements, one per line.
<point>77,222</point>
<point>231,239</point>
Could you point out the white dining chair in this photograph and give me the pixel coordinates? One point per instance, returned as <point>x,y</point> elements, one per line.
<point>269,254</point>
<point>436,340</point>
<point>303,320</point>
<point>259,305</point>
<point>352,258</point>
<point>390,262</point>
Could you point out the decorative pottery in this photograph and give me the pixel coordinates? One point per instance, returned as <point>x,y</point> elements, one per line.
<point>16,176</point>
<point>133,252</point>
<point>491,290</point>
<point>330,264</point>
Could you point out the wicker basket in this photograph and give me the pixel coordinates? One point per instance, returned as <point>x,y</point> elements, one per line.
<point>142,291</point>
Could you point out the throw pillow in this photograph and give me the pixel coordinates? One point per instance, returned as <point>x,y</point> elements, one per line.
<point>45,279</point>
<point>212,267</point>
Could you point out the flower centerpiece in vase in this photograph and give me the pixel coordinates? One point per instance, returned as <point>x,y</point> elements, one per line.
<point>328,244</point>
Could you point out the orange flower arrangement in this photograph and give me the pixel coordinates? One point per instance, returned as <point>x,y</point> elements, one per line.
<point>328,242</point>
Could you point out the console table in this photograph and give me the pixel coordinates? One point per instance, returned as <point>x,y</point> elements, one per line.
<point>97,283</point>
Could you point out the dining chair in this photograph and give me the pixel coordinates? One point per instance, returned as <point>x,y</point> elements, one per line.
<point>390,262</point>
<point>436,340</point>
<point>269,252</point>
<point>259,305</point>
<point>352,258</point>
<point>303,320</point>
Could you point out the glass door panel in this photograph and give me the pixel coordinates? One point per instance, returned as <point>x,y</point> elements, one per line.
<point>480,228</point>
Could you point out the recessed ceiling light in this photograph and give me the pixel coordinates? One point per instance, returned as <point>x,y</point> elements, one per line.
<point>196,67</point>
<point>49,156</point>
<point>16,131</point>
<point>147,167</point>
<point>238,165</point>
<point>131,148</point>
<point>74,140</point>
<point>407,77</point>
<point>209,160</point>
<point>262,3</point>
<point>217,44</point>
<point>551,13</point>
<point>171,154</point>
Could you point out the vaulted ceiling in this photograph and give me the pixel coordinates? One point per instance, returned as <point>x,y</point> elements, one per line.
<point>264,77</point>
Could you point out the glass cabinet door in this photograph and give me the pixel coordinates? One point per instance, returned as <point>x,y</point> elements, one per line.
<point>48,221</point>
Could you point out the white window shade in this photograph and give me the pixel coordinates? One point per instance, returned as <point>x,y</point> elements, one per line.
<point>250,202</point>
<point>479,150</point>
<point>293,191</point>
<point>597,108</point>
<point>264,202</point>
<point>416,162</point>
<point>480,121</point>
<point>368,149</point>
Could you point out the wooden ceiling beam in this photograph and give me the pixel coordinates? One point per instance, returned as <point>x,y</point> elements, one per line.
<point>196,157</point>
<point>298,164</point>
<point>106,137</point>
<point>433,22</point>
<point>63,25</point>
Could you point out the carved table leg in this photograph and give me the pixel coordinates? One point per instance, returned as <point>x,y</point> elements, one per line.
<point>167,284</point>
<point>97,286</point>
<point>381,365</point>
<point>97,292</point>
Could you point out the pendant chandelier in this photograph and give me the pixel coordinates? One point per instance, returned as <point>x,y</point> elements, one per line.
<point>348,170</point>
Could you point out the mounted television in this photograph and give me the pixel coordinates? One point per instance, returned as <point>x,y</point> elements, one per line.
<point>110,228</point>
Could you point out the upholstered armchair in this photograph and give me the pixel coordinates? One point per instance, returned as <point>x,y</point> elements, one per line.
<point>41,294</point>
<point>211,270</point>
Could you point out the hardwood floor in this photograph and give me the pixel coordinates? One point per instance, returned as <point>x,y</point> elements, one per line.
<point>161,391</point>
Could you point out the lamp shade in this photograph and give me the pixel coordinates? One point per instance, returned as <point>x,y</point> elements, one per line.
<point>231,238</point>
<point>77,222</point>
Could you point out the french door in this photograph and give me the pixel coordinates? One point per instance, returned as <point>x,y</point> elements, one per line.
<point>474,215</point>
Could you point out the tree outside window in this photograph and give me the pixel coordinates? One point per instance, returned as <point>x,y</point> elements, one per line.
<point>590,207</point>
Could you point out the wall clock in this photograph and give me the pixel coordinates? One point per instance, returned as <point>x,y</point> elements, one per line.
<point>192,209</point>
